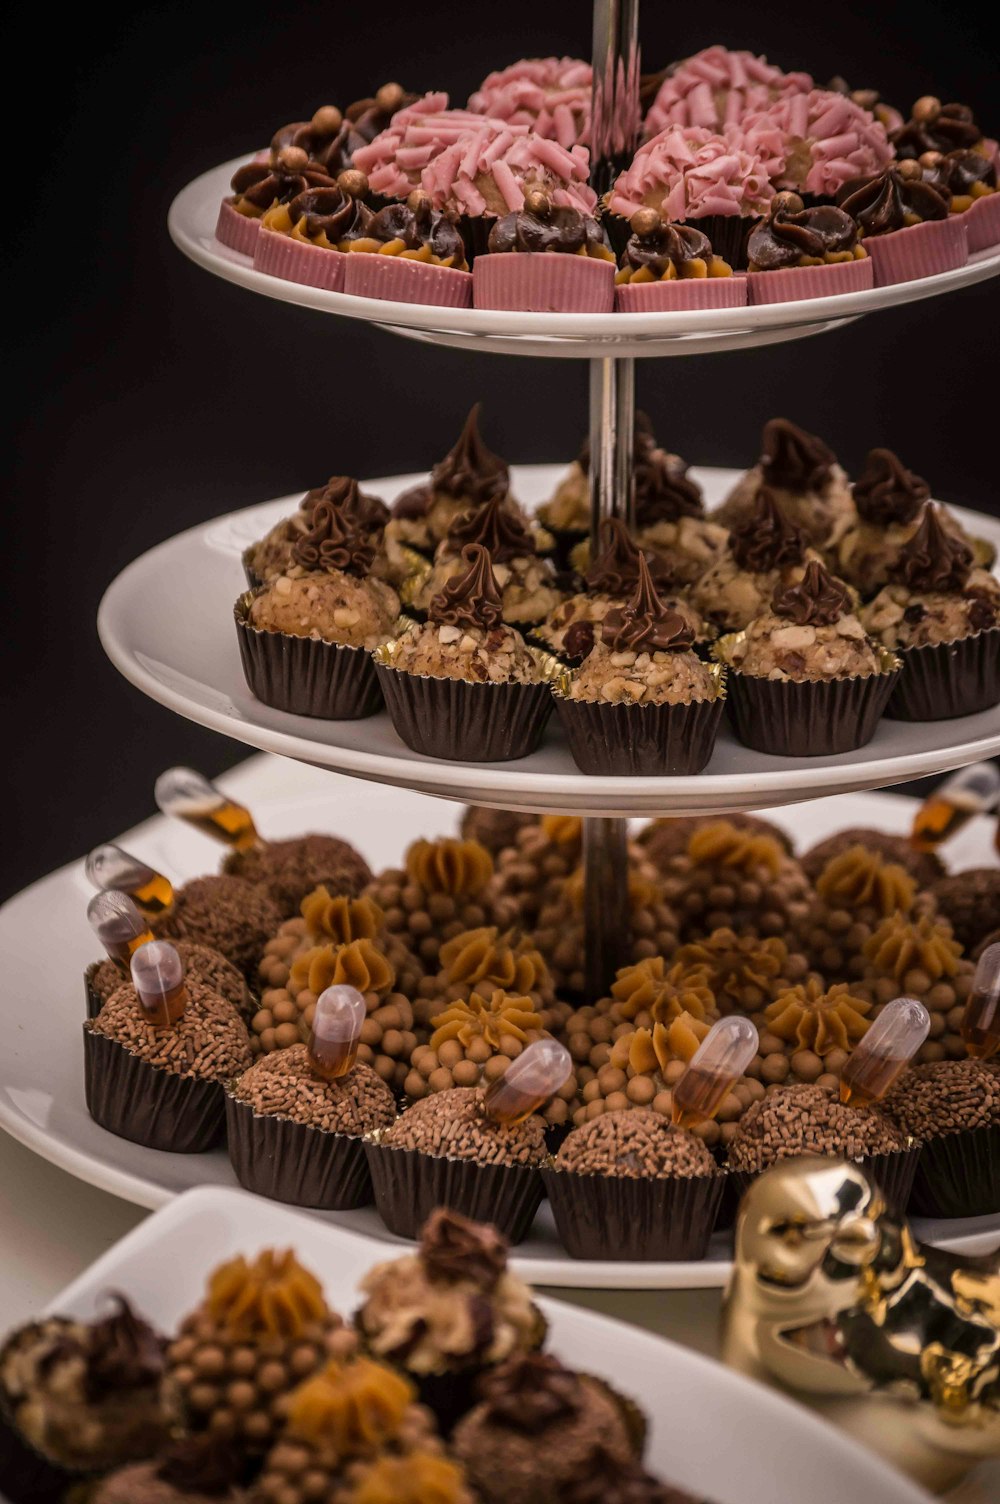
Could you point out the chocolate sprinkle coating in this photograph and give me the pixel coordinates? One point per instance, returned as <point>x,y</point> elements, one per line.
<point>794,1120</point>
<point>283,1084</point>
<point>924,866</point>
<point>200,962</point>
<point>209,1040</point>
<point>453,1125</point>
<point>636,1144</point>
<point>948,1096</point>
<point>970,901</point>
<point>230,914</point>
<point>291,869</point>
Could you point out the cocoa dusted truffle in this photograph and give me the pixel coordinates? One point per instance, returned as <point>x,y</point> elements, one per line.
<point>230,914</point>
<point>808,484</point>
<point>289,870</point>
<point>794,1120</point>
<point>453,1124</point>
<point>283,1084</point>
<point>637,1144</point>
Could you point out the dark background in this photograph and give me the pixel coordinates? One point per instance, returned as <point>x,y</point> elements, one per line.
<point>145,395</point>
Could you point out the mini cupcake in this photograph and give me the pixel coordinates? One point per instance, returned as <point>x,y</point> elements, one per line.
<point>825,139</point>
<point>905,225</point>
<point>194,1470</point>
<point>673,266</point>
<point>953,1107</point>
<point>233,915</point>
<point>808,484</point>
<point>409,253</point>
<point>292,869</point>
<point>448,1313</point>
<point>272,555</point>
<point>550,95</point>
<point>467,477</point>
<point>160,1084</point>
<point>934,126</point>
<point>805,253</point>
<point>305,641</point>
<point>281,176</point>
<point>764,552</point>
<point>806,679</point>
<point>545,259</point>
<point>304,240</point>
<point>628,1185</point>
<point>969,180</point>
<point>463,684</point>
<point>719,184</point>
<point>78,1398</point>
<point>446,1150</point>
<point>718,87</point>
<point>942,615</point>
<point>528,587</point>
<point>641,702</point>
<point>201,963</point>
<point>395,159</point>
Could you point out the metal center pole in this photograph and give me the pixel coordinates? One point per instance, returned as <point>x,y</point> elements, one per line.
<point>614,129</point>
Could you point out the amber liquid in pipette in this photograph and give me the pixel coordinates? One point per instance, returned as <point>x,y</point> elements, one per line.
<point>162,1008</point>
<point>867,1081</point>
<point>939,820</point>
<point>505,1104</point>
<point>333,1058</point>
<point>980,1026</point>
<point>698,1096</point>
<point>154,896</point>
<point>227,822</point>
<point>120,943</point>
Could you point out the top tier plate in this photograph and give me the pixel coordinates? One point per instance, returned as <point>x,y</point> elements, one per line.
<point>695,332</point>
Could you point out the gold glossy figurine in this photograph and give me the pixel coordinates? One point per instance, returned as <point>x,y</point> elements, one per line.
<point>833,1300</point>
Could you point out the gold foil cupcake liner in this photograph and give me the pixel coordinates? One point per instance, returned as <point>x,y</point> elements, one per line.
<point>636,740</point>
<point>959,1175</point>
<point>408,1186</point>
<point>618,1218</point>
<point>294,1162</point>
<point>304,675</point>
<point>948,679</point>
<point>147,1105</point>
<point>894,1172</point>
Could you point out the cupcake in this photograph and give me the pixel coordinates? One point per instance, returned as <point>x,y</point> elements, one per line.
<point>805,253</point>
<point>467,477</point>
<point>156,1055</point>
<point>667,266</point>
<point>535,1427</point>
<point>463,684</point>
<point>448,1313</point>
<point>969,181</point>
<point>795,1120</point>
<point>718,87</point>
<point>807,482</point>
<point>305,641</point>
<point>292,869</point>
<point>628,1185</point>
<point>527,582</point>
<point>765,552</point>
<point>194,1470</point>
<point>550,95</point>
<point>284,173</point>
<point>200,962</point>
<point>824,140</point>
<point>641,702</point>
<point>409,253</point>
<point>305,239</point>
<point>718,184</point>
<point>272,555</point>
<point>942,615</point>
<point>395,159</point>
<point>78,1398</point>
<point>446,1150</point>
<point>545,259</point>
<point>905,225</point>
<point>231,914</point>
<point>806,678</point>
<point>953,1107</point>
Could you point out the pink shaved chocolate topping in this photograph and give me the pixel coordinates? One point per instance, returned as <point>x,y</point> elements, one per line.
<point>549,94</point>
<point>690,173</point>
<point>717,87</point>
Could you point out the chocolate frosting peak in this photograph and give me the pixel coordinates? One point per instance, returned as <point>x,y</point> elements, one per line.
<point>663,489</point>
<point>886,492</point>
<point>333,541</point>
<point>792,459</point>
<point>785,238</point>
<point>452,1248</point>
<point>124,1353</point>
<point>768,539</point>
<point>934,559</point>
<point>817,601</point>
<point>615,571</point>
<point>531,1393</point>
<point>944,128</point>
<point>417,225</point>
<point>663,245</point>
<point>890,202</point>
<point>497,527</point>
<point>470,469</point>
<point>471,597</point>
<point>646,624</point>
<point>328,211</point>
<point>343,492</point>
<point>544,227</point>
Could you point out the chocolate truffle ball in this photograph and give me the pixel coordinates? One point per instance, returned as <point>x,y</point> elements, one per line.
<point>201,963</point>
<point>288,870</point>
<point>494,828</point>
<point>229,914</point>
<point>453,1125</point>
<point>923,866</point>
<point>794,1120</point>
<point>284,1085</point>
<point>948,1096</point>
<point>970,901</point>
<point>636,1144</point>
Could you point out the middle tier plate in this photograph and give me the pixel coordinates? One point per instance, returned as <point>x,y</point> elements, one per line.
<point>167,623</point>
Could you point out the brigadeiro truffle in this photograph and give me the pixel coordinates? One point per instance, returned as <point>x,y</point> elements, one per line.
<point>448,1313</point>
<point>953,1106</point>
<point>296,1137</point>
<point>628,1185</point>
<point>905,225</point>
<point>545,259</point>
<point>201,963</point>
<point>409,253</point>
<point>274,554</point>
<point>446,1151</point>
<point>468,476</point>
<point>666,266</point>
<point>970,901</point>
<point>805,253</point>
<point>924,866</point>
<point>289,870</point>
<point>230,914</point>
<point>803,475</point>
<point>536,1425</point>
<point>77,1398</point>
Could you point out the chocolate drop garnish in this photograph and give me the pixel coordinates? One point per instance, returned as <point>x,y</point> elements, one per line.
<point>767,539</point>
<point>886,492</point>
<point>471,598</point>
<point>817,601</point>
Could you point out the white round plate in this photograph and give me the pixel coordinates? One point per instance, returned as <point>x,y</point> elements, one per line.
<point>195,210</point>
<point>167,623</point>
<point>46,944</point>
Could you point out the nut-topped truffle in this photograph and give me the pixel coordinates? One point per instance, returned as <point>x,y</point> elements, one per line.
<point>764,551</point>
<point>807,483</point>
<point>810,632</point>
<point>467,477</point>
<point>936,593</point>
<point>527,582</point>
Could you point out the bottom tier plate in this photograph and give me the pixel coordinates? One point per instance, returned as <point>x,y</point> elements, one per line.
<point>41,1067</point>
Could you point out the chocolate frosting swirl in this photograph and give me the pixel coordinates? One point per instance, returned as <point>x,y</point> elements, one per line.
<point>615,571</point>
<point>544,227</point>
<point>416,223</point>
<point>948,128</point>
<point>934,559</point>
<point>794,460</point>
<point>767,539</point>
<point>470,598</point>
<point>124,1352</point>
<point>664,491</point>
<point>886,492</point>
<point>331,212</point>
<point>959,172</point>
<point>646,624</point>
<point>497,527</point>
<point>785,238</point>
<point>663,245</point>
<point>266,183</point>
<point>333,541</point>
<point>470,469</point>
<point>201,1465</point>
<point>817,601</point>
<point>453,1248</point>
<point>319,138</point>
<point>890,202</point>
<point>531,1392</point>
<point>342,491</point>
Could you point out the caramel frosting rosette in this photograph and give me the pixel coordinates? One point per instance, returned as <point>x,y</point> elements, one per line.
<point>805,479</point>
<point>764,550</point>
<point>527,582</point>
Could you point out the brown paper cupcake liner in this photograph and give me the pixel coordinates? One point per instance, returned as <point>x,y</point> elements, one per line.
<point>729,234</point>
<point>409,1185</point>
<point>959,1175</point>
<point>294,1162</point>
<point>948,680</point>
<point>27,1477</point>
<point>894,1172</point>
<point>304,676</point>
<point>818,718</point>
<point>146,1105</point>
<point>640,741</point>
<point>94,1003</point>
<point>616,1218</point>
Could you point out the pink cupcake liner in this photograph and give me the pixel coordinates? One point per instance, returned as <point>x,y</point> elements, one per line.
<point>369,275</point>
<point>682,293</point>
<point>543,282</point>
<point>235,229</point>
<point>297,261</point>
<point>938,245</point>
<point>793,283</point>
<point>982,222</point>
